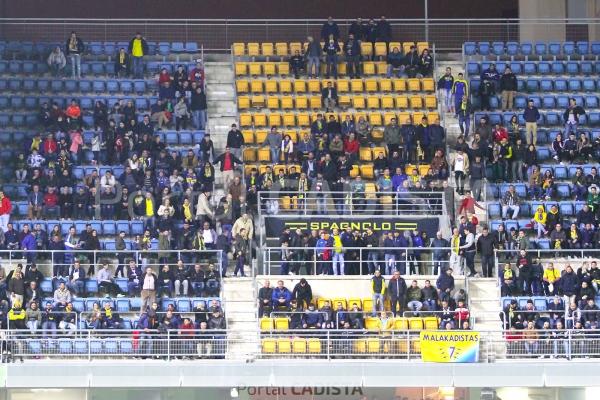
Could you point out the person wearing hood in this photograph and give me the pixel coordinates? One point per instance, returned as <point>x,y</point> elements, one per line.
<point>553,218</point>
<point>539,221</point>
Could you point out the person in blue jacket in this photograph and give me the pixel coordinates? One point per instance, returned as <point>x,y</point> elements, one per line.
<point>460,88</point>
<point>445,84</point>
<point>281,297</point>
<point>312,319</point>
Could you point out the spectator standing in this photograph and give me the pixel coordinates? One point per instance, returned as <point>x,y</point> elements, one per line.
<point>331,48</point>
<point>198,108</point>
<point>74,49</point>
<point>508,87</point>
<point>445,84</point>
<point>352,53</point>
<point>378,291</point>
<point>57,61</point>
<point>235,141</point>
<point>273,140</point>
<point>313,57</point>
<point>330,29</point>
<point>531,116</point>
<point>486,244</point>
<point>228,162</point>
<point>571,116</point>
<point>149,284</point>
<point>122,61</point>
<point>460,88</point>
<point>397,292</point>
<point>5,210</point>
<point>138,48</point>
<point>460,165</point>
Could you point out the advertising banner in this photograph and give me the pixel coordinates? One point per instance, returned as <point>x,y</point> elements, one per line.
<point>450,346</point>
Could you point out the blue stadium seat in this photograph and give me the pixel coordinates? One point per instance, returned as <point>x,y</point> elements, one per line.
<point>548,102</point>
<point>483,48</point>
<point>543,153</point>
<point>3,84</point>
<point>109,69</point>
<point>96,346</point>
<point>562,101</point>
<point>14,67</point>
<point>171,138</point>
<point>572,68</point>
<point>191,47</point>
<point>177,47</point>
<point>563,190</point>
<point>589,85</point>
<point>526,48</point>
<point>546,85</point>
<point>494,210</point>
<point>516,68</point>
<point>137,227</point>
<point>164,48</point>
<point>110,49</point>
<point>560,172</point>
<point>35,346</point>
<point>566,209</point>
<point>139,86</point>
<point>15,85</point>
<point>498,48</point>
<point>99,86</point>
<point>532,85</point>
<point>78,305</point>
<point>183,305</point>
<point>594,118</point>
<point>595,46</point>
<point>42,85</point>
<point>560,85</point>
<point>65,346</point>
<point>583,48</point>
<point>591,101</point>
<point>512,48</point>
<point>91,286</point>
<point>558,67</point>
<point>586,67</point>
<point>97,68</point>
<point>544,67</point>
<point>86,103</point>
<point>474,84</point>
<point>28,67</point>
<point>108,228</point>
<point>126,86</point>
<point>529,68</point>
<point>46,286</point>
<point>96,48</point>
<point>125,346</point>
<point>4,102</point>
<point>123,305</point>
<point>540,49</point>
<point>472,68</point>
<point>122,282</point>
<point>568,48</point>
<point>80,346</point>
<point>3,67</point>
<point>85,86</point>
<point>574,85</point>
<point>540,303</point>
<point>543,244</point>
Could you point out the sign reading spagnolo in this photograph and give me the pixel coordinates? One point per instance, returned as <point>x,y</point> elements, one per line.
<point>450,346</point>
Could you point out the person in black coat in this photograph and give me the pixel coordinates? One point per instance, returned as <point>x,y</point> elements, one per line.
<point>397,292</point>
<point>330,28</point>
<point>384,31</point>
<point>122,64</point>
<point>302,293</point>
<point>329,97</point>
<point>352,53</point>
<point>74,49</point>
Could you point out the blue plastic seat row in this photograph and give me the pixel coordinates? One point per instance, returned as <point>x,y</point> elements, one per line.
<point>16,102</point>
<point>538,67</point>
<point>18,120</point>
<point>539,302</point>
<point>112,86</point>
<point>528,48</point>
<point>103,227</point>
<point>548,118</point>
<point>80,346</point>
<point>566,208</point>
<point>533,85</point>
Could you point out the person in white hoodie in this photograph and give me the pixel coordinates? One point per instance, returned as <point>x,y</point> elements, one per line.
<point>57,61</point>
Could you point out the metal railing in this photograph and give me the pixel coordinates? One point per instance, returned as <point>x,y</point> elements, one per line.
<point>219,34</point>
<point>284,202</point>
<point>357,260</point>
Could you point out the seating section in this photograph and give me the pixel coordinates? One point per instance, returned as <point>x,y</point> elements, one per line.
<point>530,50</point>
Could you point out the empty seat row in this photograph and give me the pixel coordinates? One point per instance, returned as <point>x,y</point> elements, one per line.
<point>357,102</point>
<point>126,86</point>
<point>86,103</point>
<point>81,347</point>
<point>533,85</point>
<point>283,49</point>
<point>305,119</point>
<point>528,48</point>
<point>283,68</point>
<point>102,227</point>
<point>342,85</point>
<point>371,323</point>
<point>538,67</point>
<point>371,345</point>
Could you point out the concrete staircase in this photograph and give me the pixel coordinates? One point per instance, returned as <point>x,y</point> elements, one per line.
<point>242,321</point>
<point>484,305</point>
<point>220,94</point>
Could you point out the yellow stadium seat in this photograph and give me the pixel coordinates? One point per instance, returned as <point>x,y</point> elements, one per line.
<point>293,134</point>
<point>301,102</point>
<point>282,324</point>
<point>369,68</point>
<point>261,135</point>
<point>260,120</point>
<point>287,102</point>
<point>380,49</point>
<point>241,69</point>
<point>366,171</point>
<point>415,323</point>
<point>342,70</point>
<point>415,346</point>
<point>402,346</point>
<point>269,68</point>
<point>245,119</point>
<point>395,44</point>
<point>372,102</point>
<point>433,116</point>
<point>366,48</point>
<point>289,119</point>
<point>408,169</point>
<point>273,103</point>
<point>375,118</point>
<point>242,86</point>
<point>399,85</point>
<point>430,323</point>
<point>387,101</point>
<point>297,167</point>
<point>255,68</point>
<point>414,84</point>
<point>423,169</point>
<point>356,115</point>
<point>427,84</point>
<point>314,346</point>
<point>364,154</point>
<point>416,102</point>
<point>275,119</point>
<point>360,346</point>
<point>257,101</point>
<point>387,118</point>
<point>285,202</point>
<point>303,119</point>
<point>283,68</point>
<point>264,154</point>
<point>385,85</point>
<point>262,169</point>
<point>403,117</point>
<point>299,345</point>
<point>430,101</point>
<point>269,346</point>
<point>339,300</point>
<point>314,85</point>
<point>402,102</point>
<point>377,134</point>
<point>422,46</point>
<point>372,323</point>
<point>344,100</point>
<point>343,86</point>
<point>239,49</point>
<point>417,117</point>
<point>381,67</point>
<point>370,188</point>
<point>278,168</point>
<point>400,324</point>
<point>253,49</point>
<point>314,102</point>
<point>373,345</point>
<point>266,324</point>
<point>284,346</point>
<point>271,87</point>
<point>356,85</point>
<point>267,49</point>
<point>378,149</point>
<point>358,102</point>
<point>248,136</point>
<point>285,86</point>
<point>281,49</point>
<point>295,46</point>
<point>243,102</point>
<point>371,85</point>
<point>300,86</point>
<point>321,302</point>
<point>355,300</point>
<point>406,47</point>
<point>354,172</point>
<point>256,86</point>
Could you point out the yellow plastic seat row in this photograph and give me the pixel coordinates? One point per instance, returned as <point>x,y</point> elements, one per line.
<point>282,48</point>
<point>294,345</point>
<point>262,68</point>
<point>369,85</point>
<point>267,324</point>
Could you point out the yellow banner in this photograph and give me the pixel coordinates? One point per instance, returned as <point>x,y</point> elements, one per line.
<point>450,346</point>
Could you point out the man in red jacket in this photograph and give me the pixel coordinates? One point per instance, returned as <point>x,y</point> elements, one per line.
<point>51,207</point>
<point>5,209</point>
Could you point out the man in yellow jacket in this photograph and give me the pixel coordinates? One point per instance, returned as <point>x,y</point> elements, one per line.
<point>551,280</point>
<point>138,48</point>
